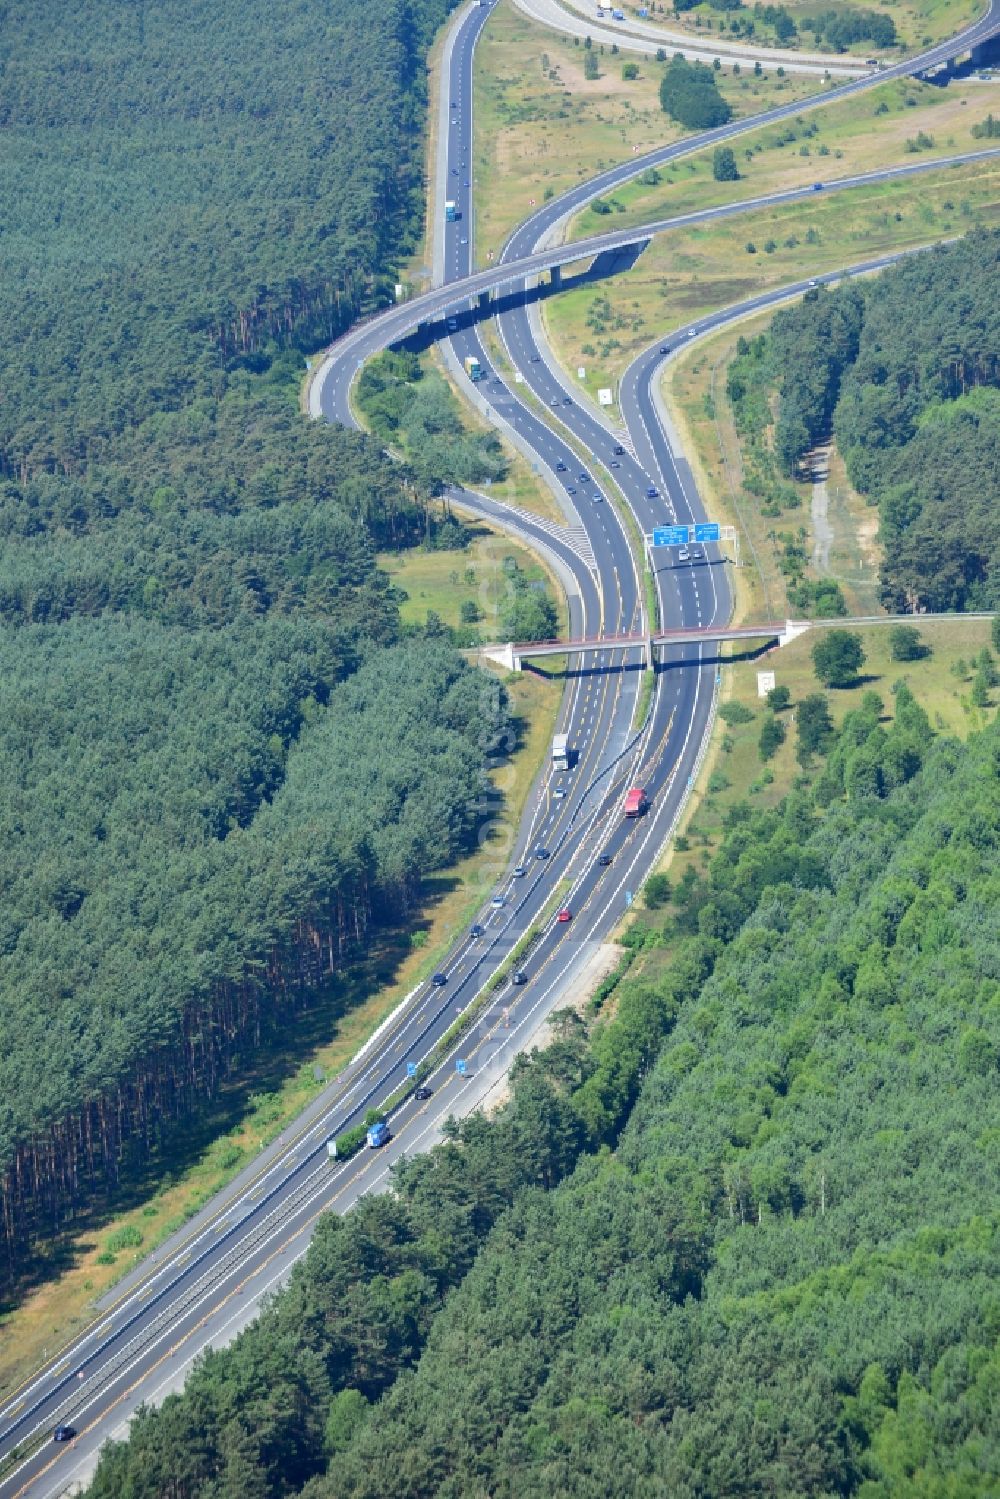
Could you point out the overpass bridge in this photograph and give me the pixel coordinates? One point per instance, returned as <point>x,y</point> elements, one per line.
<point>782,632</point>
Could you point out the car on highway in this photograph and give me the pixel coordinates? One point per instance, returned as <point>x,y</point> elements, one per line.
<point>560,467</point>
<point>683,555</point>
<point>423,1092</point>
<point>584,478</point>
<point>664,350</point>
<point>520,870</point>
<point>615,463</point>
<point>476,930</point>
<point>559,792</point>
<point>692,332</point>
<point>598,497</point>
<point>454,171</point>
<point>567,400</point>
<point>520,977</point>
<point>604,861</point>
<point>818,187</point>
<point>565,915</point>
<point>571,489</point>
<point>439,980</point>
<point>619,450</point>
<point>541,853</point>
<point>697,554</point>
<point>651,492</point>
<point>64,1433</point>
<point>466,182</point>
<point>498,901</point>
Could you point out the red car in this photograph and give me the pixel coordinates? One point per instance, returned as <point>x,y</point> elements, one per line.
<point>565,914</point>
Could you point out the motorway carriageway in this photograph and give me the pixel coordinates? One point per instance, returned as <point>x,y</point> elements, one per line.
<point>207,1285</point>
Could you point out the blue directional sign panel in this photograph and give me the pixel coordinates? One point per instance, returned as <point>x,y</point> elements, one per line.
<point>461,1068</point>
<point>671,536</point>
<point>707,531</point>
<point>411,1069</point>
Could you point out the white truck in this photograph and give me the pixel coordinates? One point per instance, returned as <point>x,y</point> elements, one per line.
<point>561,752</point>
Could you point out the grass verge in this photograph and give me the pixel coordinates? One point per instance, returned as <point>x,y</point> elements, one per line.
<point>542,126</point>
<point>896,124</point>
<point>689,272</point>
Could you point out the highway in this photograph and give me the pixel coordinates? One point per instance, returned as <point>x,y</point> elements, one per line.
<point>205,1284</point>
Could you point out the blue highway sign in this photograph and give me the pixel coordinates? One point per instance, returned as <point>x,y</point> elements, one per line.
<point>670,536</point>
<point>707,531</point>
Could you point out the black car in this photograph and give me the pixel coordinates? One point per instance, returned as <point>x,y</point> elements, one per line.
<point>619,450</point>
<point>64,1433</point>
<point>519,977</point>
<point>584,478</point>
<point>439,980</point>
<point>560,467</point>
<point>423,1092</point>
<point>476,930</point>
<point>567,400</point>
<point>604,860</point>
<point>541,853</point>
<point>571,489</point>
<point>652,492</point>
<point>817,187</point>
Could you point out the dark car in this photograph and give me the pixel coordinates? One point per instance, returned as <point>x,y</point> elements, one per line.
<point>439,980</point>
<point>519,977</point>
<point>584,478</point>
<point>619,450</point>
<point>615,463</point>
<point>560,467</point>
<point>567,400</point>
<point>565,915</point>
<point>571,489</point>
<point>817,187</point>
<point>423,1092</point>
<point>604,860</point>
<point>541,853</point>
<point>664,350</point>
<point>64,1433</point>
<point>476,930</point>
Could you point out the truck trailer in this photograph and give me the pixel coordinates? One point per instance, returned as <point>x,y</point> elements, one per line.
<point>473,368</point>
<point>635,802</point>
<point>450,211</point>
<point>561,752</point>
<point>378,1134</point>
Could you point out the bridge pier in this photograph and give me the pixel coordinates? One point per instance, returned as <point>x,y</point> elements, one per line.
<point>649,653</point>
<point>484,300</point>
<point>555,277</point>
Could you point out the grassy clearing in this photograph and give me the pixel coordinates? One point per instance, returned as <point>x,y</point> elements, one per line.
<point>252,1110</point>
<point>733,770</point>
<point>694,387</point>
<point>441,582</point>
<point>918,22</point>
<point>689,272</point>
<point>541,126</point>
<point>896,124</point>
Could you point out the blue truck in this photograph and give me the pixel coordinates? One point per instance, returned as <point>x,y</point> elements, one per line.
<point>378,1134</point>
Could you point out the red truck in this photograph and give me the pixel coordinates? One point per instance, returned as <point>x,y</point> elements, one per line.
<point>635,802</point>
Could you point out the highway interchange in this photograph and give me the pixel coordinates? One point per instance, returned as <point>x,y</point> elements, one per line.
<point>204,1285</point>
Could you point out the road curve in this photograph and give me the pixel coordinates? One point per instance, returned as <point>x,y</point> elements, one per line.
<point>634,35</point>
